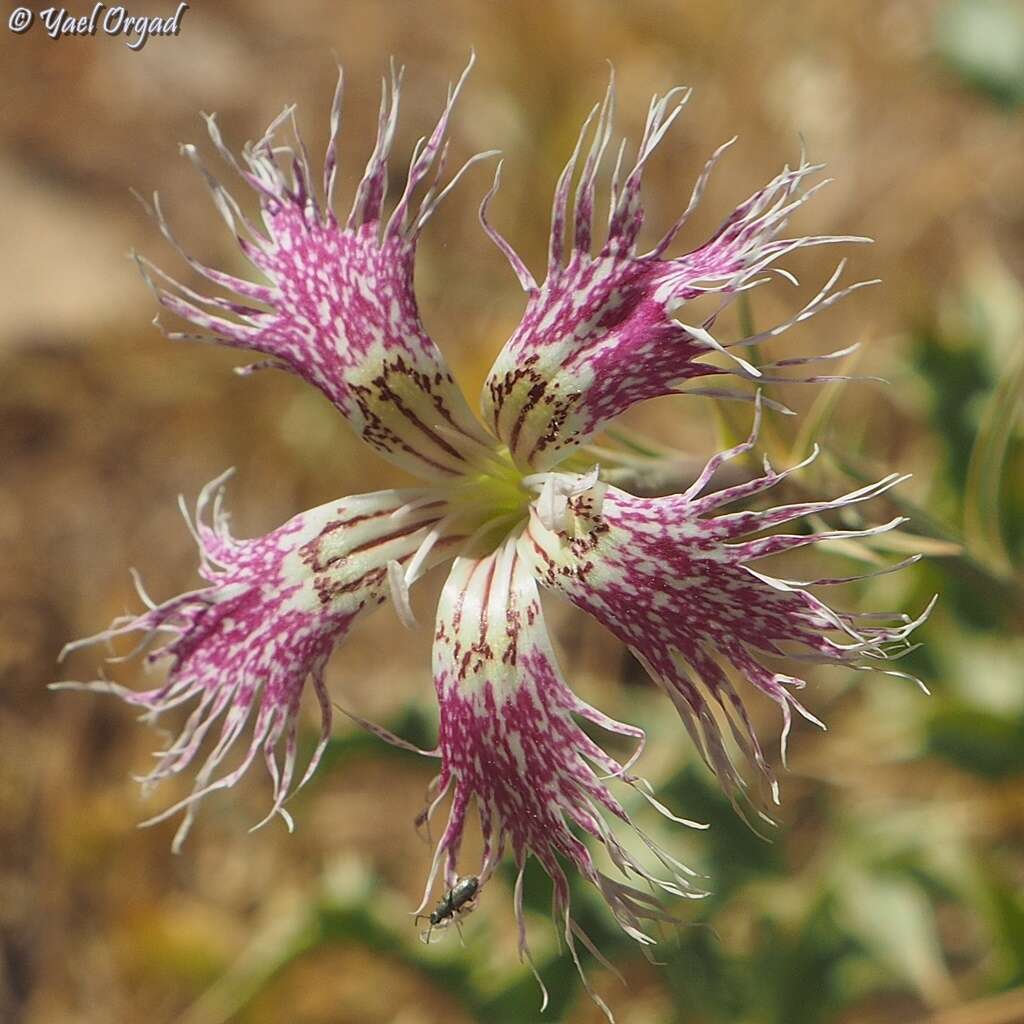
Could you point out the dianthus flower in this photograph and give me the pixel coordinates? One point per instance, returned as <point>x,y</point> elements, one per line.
<point>517,503</point>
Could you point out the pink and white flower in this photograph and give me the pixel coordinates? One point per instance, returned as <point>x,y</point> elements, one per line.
<point>516,502</point>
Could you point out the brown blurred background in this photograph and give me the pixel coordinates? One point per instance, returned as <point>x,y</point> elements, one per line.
<point>892,889</point>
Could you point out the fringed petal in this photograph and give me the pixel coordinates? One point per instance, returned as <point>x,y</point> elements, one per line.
<point>598,335</point>
<point>241,649</point>
<point>673,582</point>
<point>510,744</point>
<point>335,304</point>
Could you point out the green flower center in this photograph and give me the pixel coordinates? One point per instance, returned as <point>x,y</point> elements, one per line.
<point>492,502</point>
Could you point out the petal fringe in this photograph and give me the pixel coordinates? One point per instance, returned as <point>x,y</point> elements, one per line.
<point>510,745</point>
<point>598,335</point>
<point>673,581</point>
<point>241,649</point>
<point>335,304</point>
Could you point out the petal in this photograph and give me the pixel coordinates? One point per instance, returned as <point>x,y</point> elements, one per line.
<point>510,743</point>
<point>335,304</point>
<point>672,581</point>
<point>241,649</point>
<point>599,336</point>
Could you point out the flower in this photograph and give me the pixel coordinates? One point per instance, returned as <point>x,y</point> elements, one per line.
<point>519,503</point>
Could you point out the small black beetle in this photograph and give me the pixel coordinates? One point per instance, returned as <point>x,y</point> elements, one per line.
<point>458,900</point>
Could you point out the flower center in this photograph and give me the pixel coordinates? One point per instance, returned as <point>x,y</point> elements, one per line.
<point>490,504</point>
<point>482,509</point>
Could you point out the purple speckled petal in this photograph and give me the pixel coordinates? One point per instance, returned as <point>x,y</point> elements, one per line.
<point>243,647</point>
<point>673,582</point>
<point>335,304</point>
<point>598,335</point>
<point>511,746</point>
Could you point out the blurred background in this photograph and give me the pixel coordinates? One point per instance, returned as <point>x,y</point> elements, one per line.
<point>893,888</point>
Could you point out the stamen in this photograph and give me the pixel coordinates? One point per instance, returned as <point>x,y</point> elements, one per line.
<point>554,492</point>
<point>400,595</point>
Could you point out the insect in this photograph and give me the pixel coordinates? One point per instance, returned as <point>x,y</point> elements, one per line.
<point>460,899</point>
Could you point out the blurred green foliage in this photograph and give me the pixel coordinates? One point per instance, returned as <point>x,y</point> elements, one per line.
<point>983,41</point>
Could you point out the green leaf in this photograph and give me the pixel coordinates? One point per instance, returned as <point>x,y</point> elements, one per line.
<point>981,742</point>
<point>895,922</point>
<point>985,471</point>
<point>1004,910</point>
